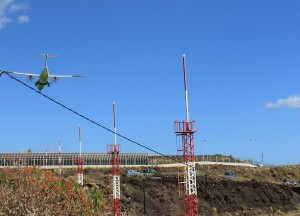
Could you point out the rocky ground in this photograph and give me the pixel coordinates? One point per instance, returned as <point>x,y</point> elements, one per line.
<point>254,191</point>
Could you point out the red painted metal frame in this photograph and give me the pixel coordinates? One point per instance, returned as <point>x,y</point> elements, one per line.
<point>186,130</point>
<point>114,149</point>
<point>79,162</point>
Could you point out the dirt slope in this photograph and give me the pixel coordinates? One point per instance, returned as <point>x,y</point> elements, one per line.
<point>255,191</point>
<point>216,196</point>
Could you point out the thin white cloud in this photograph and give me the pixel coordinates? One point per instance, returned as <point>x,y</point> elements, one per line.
<point>3,8</point>
<point>18,7</point>
<point>4,21</point>
<point>8,8</point>
<point>23,19</point>
<point>3,5</point>
<point>292,102</point>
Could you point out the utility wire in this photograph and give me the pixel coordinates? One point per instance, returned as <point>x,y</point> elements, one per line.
<point>86,118</point>
<point>105,128</point>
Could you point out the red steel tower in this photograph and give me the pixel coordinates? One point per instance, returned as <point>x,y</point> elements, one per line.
<point>185,130</point>
<point>114,150</point>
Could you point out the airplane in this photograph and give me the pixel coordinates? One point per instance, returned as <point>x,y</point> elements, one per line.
<point>44,75</point>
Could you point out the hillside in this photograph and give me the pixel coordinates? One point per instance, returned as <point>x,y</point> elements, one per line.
<point>254,191</point>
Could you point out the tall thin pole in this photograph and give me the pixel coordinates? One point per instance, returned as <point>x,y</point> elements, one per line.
<point>252,142</point>
<point>79,160</point>
<point>205,141</point>
<point>115,151</point>
<point>185,89</point>
<point>59,157</point>
<point>46,157</point>
<point>115,127</point>
<point>79,137</point>
<point>144,192</point>
<point>289,150</point>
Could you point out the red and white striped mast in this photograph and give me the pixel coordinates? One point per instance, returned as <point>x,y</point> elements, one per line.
<point>115,161</point>
<point>185,130</point>
<point>185,90</point>
<point>79,161</point>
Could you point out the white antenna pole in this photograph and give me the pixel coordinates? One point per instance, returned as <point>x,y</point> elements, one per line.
<point>59,157</point>
<point>115,127</point>
<point>185,89</point>
<point>46,157</point>
<point>79,142</point>
<point>59,147</point>
<point>80,161</point>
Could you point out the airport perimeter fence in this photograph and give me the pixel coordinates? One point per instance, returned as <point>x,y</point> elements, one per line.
<point>103,159</point>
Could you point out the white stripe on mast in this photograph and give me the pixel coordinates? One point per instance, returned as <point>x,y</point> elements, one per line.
<point>79,142</point>
<point>185,89</point>
<point>115,127</point>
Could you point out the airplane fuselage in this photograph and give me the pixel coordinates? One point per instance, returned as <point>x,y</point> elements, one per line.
<point>43,79</point>
<point>43,76</point>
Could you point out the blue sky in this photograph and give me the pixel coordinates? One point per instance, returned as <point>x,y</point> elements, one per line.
<point>243,62</point>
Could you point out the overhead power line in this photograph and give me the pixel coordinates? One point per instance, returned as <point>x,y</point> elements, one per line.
<point>99,125</point>
<point>83,116</point>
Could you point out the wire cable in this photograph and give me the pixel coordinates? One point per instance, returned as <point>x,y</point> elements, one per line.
<point>99,125</point>
<point>86,118</point>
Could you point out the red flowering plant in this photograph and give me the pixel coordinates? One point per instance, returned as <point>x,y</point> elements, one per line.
<point>33,191</point>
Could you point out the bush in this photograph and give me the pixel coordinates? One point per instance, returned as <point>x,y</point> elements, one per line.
<point>27,191</point>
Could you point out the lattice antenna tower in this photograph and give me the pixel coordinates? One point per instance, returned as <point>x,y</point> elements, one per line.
<point>114,150</point>
<point>79,161</point>
<point>185,130</point>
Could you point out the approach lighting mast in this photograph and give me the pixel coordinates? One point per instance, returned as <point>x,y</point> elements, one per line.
<point>79,162</point>
<point>114,150</point>
<point>185,130</point>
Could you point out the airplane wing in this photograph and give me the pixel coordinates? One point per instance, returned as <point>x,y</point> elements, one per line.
<point>20,73</point>
<point>63,76</point>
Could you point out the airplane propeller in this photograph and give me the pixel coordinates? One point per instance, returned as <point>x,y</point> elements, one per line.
<point>54,80</point>
<point>30,78</point>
